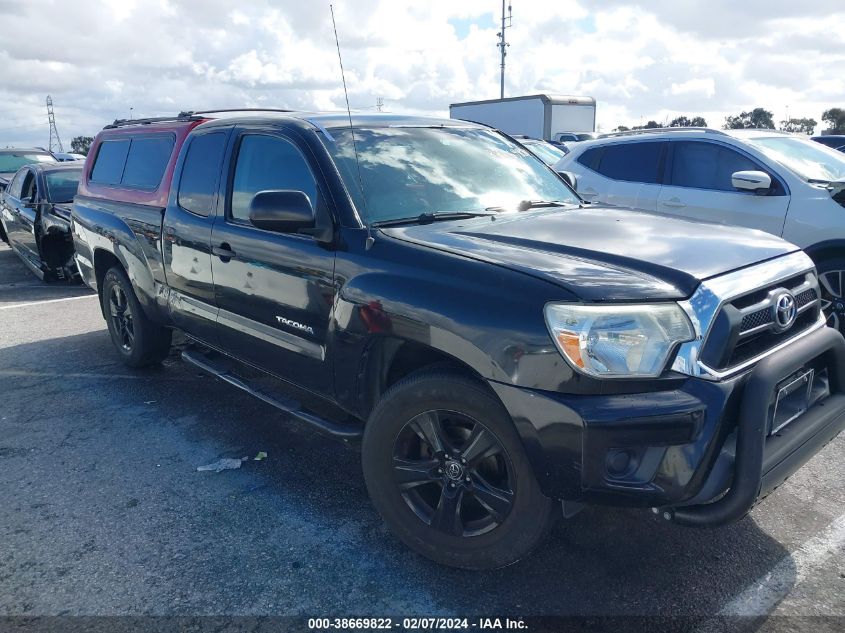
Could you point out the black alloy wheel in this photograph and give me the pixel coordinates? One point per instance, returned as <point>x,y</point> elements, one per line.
<point>453,473</point>
<point>447,471</point>
<point>139,341</point>
<point>121,315</point>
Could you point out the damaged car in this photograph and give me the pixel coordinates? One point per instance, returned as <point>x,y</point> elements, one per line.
<point>35,218</point>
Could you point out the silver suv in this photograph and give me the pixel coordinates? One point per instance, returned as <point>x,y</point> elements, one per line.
<point>781,183</point>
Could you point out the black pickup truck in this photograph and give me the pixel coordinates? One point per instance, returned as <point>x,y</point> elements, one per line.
<point>504,352</point>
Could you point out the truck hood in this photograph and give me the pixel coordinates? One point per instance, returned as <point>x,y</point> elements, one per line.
<point>603,253</point>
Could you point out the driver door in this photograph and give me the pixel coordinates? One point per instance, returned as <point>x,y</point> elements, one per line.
<point>28,216</point>
<point>274,291</point>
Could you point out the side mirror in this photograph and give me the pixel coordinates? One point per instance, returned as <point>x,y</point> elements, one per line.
<point>281,211</point>
<point>570,178</point>
<point>756,181</point>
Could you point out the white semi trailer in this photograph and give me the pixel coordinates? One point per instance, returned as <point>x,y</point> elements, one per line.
<point>537,116</point>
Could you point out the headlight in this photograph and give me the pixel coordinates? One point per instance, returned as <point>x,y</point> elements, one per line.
<point>618,340</point>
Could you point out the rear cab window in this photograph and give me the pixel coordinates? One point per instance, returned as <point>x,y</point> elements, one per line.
<point>134,162</point>
<point>111,159</point>
<point>137,162</point>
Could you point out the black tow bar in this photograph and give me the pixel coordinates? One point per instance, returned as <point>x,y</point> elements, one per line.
<point>752,429</point>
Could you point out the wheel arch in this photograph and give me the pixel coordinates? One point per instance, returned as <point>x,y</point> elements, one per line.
<point>825,250</point>
<point>388,359</point>
<point>104,260</point>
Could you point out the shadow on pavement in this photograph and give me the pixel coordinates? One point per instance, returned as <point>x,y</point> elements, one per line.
<point>107,514</point>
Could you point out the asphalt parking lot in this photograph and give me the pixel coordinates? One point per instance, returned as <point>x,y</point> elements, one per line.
<point>104,512</point>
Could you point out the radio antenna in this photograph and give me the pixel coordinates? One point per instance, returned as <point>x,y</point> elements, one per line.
<point>370,239</point>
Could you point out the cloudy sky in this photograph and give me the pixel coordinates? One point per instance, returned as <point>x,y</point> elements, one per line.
<point>641,60</point>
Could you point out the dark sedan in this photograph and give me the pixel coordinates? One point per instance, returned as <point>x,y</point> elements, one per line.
<point>35,218</point>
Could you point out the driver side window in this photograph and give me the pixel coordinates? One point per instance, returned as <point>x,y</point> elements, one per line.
<point>268,163</point>
<point>702,165</point>
<point>29,190</point>
<point>16,185</point>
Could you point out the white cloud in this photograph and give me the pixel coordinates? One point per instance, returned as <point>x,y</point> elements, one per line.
<point>641,60</point>
<point>705,87</point>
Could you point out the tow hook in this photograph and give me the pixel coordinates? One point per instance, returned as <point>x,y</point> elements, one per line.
<point>666,513</point>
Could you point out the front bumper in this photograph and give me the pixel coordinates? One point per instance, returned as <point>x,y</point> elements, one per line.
<point>702,451</point>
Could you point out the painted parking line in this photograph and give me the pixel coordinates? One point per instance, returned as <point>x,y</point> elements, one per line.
<point>761,597</point>
<point>38,303</point>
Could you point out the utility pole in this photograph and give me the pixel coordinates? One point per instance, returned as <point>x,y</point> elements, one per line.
<point>55,141</point>
<point>507,22</point>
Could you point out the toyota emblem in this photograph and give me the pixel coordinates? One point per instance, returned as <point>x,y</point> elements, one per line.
<point>454,471</point>
<point>785,311</point>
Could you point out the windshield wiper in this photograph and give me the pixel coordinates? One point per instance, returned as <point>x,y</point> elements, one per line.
<point>428,218</point>
<point>538,204</point>
<point>525,205</point>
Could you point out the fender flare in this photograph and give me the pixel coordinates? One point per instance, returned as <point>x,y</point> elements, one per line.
<point>822,250</point>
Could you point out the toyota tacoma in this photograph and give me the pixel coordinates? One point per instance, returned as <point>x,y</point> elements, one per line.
<point>503,352</point>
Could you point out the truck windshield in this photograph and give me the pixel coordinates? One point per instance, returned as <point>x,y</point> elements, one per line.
<point>411,171</point>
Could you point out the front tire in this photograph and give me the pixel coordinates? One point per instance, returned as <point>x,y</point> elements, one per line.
<point>832,282</point>
<point>446,470</point>
<point>138,340</point>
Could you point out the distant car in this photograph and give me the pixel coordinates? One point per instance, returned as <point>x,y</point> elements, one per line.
<point>64,157</point>
<point>35,218</point>
<point>836,141</point>
<point>783,184</point>
<point>545,151</point>
<point>573,137</point>
<point>13,159</point>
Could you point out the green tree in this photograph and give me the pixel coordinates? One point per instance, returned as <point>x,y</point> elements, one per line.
<point>81,144</point>
<point>798,126</point>
<point>757,118</point>
<point>835,117</point>
<point>685,121</point>
<point>648,126</point>
<point>621,128</point>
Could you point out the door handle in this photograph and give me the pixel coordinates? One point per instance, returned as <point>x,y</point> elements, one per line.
<point>674,203</point>
<point>224,252</point>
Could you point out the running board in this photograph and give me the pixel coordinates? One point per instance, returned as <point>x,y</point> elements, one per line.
<point>336,430</point>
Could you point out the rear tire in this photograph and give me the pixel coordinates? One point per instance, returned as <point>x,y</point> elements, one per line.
<point>447,472</point>
<point>832,281</point>
<point>138,340</point>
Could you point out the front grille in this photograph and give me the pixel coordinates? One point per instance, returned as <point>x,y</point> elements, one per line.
<point>766,316</point>
<point>756,319</point>
<point>746,327</point>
